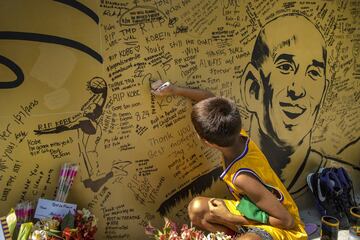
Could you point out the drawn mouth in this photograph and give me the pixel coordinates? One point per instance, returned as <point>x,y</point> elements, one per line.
<point>292,111</point>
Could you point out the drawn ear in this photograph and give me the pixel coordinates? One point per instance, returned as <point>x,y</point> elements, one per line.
<point>327,84</point>
<point>252,89</point>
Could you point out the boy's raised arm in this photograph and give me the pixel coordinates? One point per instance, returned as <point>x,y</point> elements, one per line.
<point>165,89</point>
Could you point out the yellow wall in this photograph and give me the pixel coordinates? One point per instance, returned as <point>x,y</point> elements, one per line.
<point>61,61</point>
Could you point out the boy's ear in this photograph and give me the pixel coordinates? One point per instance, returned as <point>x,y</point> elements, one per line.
<point>213,145</point>
<point>251,88</point>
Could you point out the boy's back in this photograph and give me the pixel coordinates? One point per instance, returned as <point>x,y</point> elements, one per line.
<point>253,162</point>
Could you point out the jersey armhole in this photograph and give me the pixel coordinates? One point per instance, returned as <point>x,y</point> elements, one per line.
<point>275,191</point>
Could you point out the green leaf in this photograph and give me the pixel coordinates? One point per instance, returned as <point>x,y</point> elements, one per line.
<point>52,234</point>
<point>68,221</point>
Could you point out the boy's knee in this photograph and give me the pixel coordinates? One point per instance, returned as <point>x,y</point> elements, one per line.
<point>197,209</point>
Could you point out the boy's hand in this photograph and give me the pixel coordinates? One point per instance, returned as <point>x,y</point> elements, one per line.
<point>218,208</point>
<point>161,88</point>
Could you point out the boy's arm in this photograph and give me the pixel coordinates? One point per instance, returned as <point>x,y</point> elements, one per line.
<point>265,200</point>
<point>221,215</point>
<point>194,94</point>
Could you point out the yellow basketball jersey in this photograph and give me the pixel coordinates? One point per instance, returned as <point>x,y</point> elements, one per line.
<point>253,161</point>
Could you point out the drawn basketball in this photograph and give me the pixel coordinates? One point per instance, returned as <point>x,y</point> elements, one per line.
<point>97,85</point>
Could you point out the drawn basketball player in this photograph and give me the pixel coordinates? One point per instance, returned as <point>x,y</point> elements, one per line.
<point>89,134</point>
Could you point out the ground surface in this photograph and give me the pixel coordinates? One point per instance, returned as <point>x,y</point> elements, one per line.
<point>309,213</point>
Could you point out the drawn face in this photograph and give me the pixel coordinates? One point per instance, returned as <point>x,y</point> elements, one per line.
<point>293,78</point>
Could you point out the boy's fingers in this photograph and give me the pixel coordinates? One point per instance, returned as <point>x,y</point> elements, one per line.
<point>157,93</point>
<point>212,201</point>
<point>156,84</point>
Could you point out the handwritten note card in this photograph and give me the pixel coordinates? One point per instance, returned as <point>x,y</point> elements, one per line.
<point>48,208</point>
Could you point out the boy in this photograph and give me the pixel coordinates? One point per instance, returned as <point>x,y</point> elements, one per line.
<point>263,208</point>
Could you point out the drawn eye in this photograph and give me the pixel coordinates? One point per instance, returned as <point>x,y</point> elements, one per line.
<point>285,68</point>
<point>314,74</point>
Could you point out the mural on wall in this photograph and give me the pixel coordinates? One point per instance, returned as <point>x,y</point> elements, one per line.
<point>284,87</point>
<point>75,88</point>
<point>89,134</point>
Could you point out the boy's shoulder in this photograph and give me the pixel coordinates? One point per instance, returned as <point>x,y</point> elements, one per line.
<point>243,133</point>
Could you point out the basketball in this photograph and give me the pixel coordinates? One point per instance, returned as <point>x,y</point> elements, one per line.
<point>97,85</point>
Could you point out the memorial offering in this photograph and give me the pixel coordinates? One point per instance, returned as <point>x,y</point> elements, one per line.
<point>80,226</point>
<point>24,211</point>
<point>52,219</point>
<point>66,179</point>
<point>170,231</point>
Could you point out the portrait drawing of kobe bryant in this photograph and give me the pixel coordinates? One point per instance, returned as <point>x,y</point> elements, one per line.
<point>283,87</point>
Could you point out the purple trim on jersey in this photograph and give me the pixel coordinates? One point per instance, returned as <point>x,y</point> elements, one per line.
<point>237,158</point>
<point>232,191</point>
<point>248,170</point>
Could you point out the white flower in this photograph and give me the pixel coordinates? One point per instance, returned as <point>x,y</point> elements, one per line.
<point>218,236</point>
<point>39,235</point>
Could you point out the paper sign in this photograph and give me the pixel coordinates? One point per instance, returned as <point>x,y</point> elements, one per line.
<point>48,209</point>
<point>2,236</point>
<point>4,229</point>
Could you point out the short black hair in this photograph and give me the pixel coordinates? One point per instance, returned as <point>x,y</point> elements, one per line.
<point>261,49</point>
<point>217,120</point>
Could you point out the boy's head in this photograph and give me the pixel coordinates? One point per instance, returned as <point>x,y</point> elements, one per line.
<point>217,120</point>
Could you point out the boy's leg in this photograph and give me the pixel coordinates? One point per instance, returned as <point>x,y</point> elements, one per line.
<point>199,215</point>
<point>249,236</point>
<point>255,233</point>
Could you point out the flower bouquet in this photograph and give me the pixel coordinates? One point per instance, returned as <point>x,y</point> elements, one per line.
<point>81,226</point>
<point>170,232</point>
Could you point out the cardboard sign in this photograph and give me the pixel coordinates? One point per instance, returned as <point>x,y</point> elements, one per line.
<point>48,209</point>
